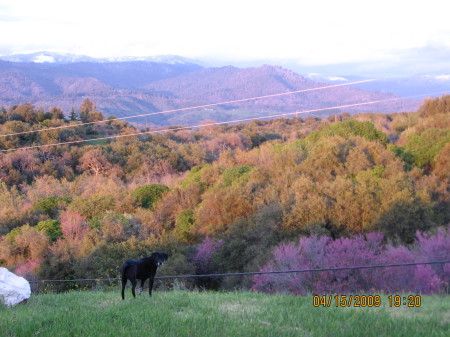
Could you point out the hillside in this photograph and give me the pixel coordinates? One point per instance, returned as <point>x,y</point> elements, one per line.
<point>136,87</point>
<point>230,198</point>
<point>229,83</point>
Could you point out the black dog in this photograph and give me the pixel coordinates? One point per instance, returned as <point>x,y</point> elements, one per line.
<point>141,269</point>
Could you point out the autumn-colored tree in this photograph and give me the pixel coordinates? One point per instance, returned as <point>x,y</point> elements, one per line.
<point>95,162</point>
<point>11,205</point>
<point>89,113</point>
<point>24,113</point>
<point>23,244</point>
<point>117,228</point>
<point>442,163</point>
<point>220,208</point>
<point>434,106</point>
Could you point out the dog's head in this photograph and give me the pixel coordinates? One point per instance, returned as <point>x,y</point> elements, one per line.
<point>159,258</point>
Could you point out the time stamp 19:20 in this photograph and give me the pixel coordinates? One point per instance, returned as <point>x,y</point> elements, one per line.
<point>409,301</point>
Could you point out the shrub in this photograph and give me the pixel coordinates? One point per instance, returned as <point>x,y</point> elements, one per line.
<point>93,206</point>
<point>436,248</point>
<point>146,196</point>
<point>50,205</point>
<point>205,264</point>
<point>350,128</point>
<point>231,175</point>
<point>51,227</point>
<point>321,252</point>
<point>406,157</point>
<point>425,147</point>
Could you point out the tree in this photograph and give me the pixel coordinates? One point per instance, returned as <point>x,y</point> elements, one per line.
<point>434,106</point>
<point>73,225</point>
<point>442,165</point>
<point>184,222</point>
<point>95,162</point>
<point>401,222</point>
<point>56,113</point>
<point>72,115</point>
<point>25,243</point>
<point>89,113</point>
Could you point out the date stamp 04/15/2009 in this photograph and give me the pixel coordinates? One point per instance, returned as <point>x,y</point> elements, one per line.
<point>408,301</point>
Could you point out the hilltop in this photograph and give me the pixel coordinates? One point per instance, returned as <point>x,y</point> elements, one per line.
<point>130,86</point>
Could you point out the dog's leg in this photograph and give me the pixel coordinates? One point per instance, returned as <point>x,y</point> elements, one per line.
<point>141,289</point>
<point>124,282</point>
<point>150,285</point>
<point>133,288</point>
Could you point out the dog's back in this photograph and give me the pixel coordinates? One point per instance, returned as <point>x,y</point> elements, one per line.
<point>129,267</point>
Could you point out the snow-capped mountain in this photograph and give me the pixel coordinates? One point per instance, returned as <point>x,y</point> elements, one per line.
<point>441,77</point>
<point>65,58</point>
<point>418,85</point>
<point>47,57</point>
<point>325,78</point>
<point>168,59</point>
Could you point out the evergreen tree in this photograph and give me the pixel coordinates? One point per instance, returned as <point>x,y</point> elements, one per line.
<point>73,116</point>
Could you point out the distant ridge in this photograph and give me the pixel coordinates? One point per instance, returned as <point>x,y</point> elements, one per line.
<point>130,87</point>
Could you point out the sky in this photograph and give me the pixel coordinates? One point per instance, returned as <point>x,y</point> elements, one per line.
<point>352,35</point>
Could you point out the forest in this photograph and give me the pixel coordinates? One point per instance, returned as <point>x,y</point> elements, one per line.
<point>264,195</point>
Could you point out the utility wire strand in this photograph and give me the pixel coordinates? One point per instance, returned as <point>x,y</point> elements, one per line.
<point>189,108</point>
<point>263,272</point>
<point>209,124</point>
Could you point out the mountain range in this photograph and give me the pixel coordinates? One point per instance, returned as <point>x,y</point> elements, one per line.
<point>129,86</point>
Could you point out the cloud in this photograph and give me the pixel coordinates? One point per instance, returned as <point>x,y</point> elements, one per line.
<point>352,34</point>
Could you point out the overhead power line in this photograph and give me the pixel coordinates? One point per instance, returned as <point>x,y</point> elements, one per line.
<point>188,108</point>
<point>214,123</point>
<point>198,126</point>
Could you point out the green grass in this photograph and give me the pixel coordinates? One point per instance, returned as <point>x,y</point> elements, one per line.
<point>182,313</point>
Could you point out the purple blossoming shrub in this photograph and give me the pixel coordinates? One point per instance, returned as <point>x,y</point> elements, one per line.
<point>436,248</point>
<point>204,263</point>
<point>321,252</point>
<point>203,257</point>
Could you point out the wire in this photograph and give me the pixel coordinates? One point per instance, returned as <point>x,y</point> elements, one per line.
<point>188,108</point>
<point>207,124</point>
<point>260,272</point>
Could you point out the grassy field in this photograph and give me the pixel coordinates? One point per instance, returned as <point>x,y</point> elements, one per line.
<point>182,313</point>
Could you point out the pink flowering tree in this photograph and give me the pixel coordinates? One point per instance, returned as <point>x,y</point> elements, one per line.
<point>73,225</point>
